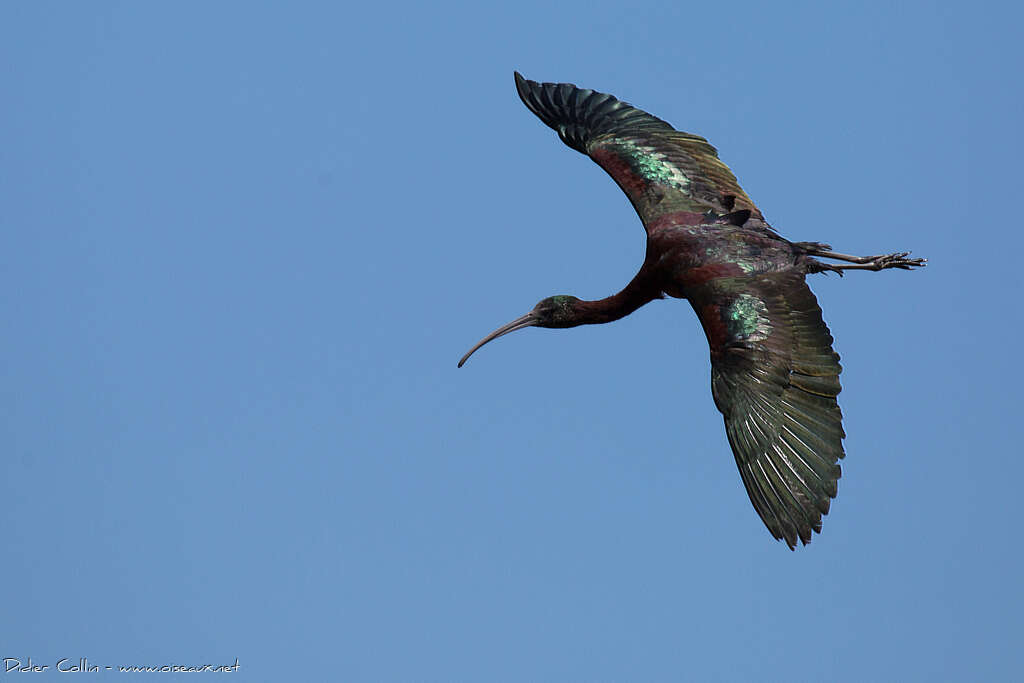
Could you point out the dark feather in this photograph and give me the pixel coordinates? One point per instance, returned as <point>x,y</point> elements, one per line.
<point>736,217</point>
<point>775,382</point>
<point>661,170</point>
<point>579,115</point>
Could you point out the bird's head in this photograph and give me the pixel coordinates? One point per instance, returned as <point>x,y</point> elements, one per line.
<point>561,310</point>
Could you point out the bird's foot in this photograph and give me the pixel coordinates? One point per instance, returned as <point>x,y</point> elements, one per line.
<point>881,262</point>
<point>896,260</point>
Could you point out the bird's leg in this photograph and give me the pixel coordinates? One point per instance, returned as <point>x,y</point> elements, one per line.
<point>881,262</point>
<point>896,260</point>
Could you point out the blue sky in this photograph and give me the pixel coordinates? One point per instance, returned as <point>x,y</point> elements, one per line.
<point>244,245</point>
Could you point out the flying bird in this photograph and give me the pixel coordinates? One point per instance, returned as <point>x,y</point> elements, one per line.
<point>774,375</point>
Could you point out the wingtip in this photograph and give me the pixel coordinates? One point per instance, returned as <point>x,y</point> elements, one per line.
<point>579,115</point>
<point>523,87</point>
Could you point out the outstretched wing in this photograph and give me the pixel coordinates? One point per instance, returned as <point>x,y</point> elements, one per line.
<point>661,170</point>
<point>775,378</point>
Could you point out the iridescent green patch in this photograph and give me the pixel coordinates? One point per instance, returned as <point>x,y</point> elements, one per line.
<point>747,318</point>
<point>652,165</point>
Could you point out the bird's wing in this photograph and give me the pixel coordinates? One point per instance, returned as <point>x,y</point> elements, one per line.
<point>661,170</point>
<point>775,378</point>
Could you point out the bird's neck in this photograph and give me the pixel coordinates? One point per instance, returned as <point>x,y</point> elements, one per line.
<point>639,291</point>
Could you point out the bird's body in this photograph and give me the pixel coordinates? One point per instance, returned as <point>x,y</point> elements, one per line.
<point>774,375</point>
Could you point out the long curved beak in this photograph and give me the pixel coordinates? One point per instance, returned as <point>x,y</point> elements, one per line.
<point>528,320</point>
